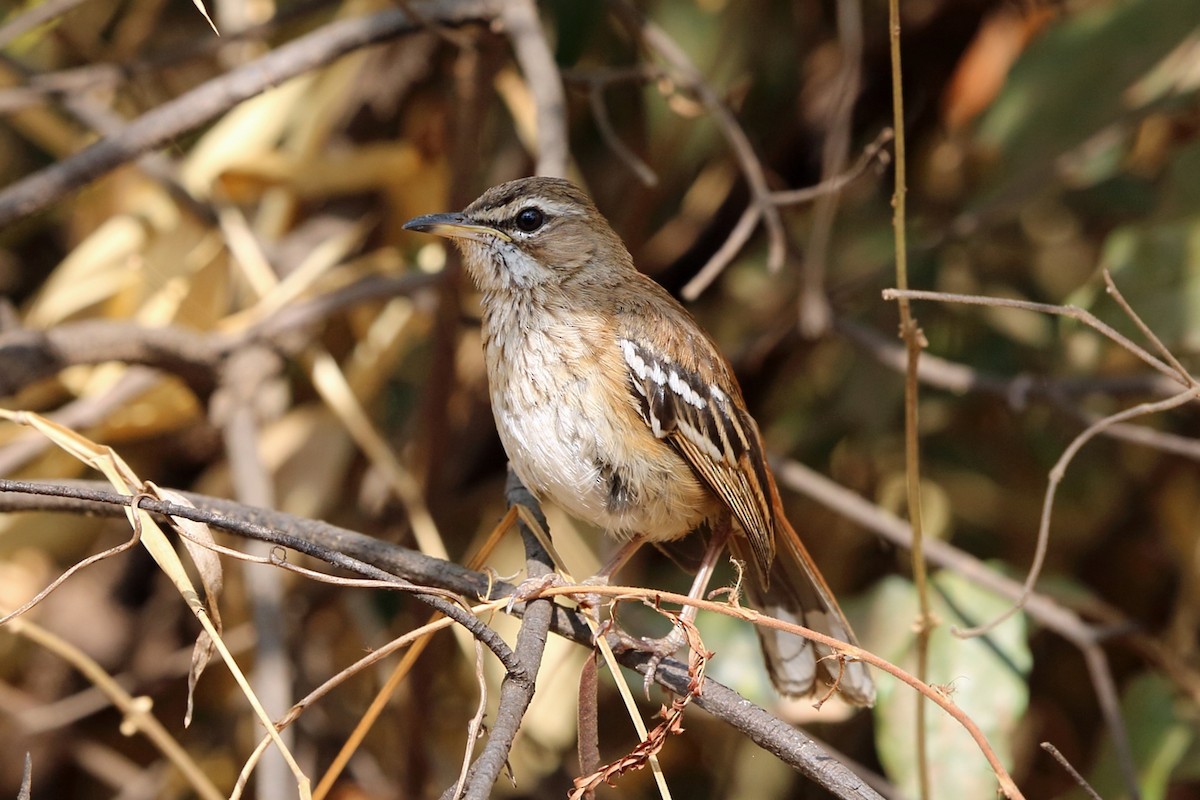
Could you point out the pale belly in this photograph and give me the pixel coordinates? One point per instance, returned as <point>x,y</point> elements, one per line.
<point>570,452</point>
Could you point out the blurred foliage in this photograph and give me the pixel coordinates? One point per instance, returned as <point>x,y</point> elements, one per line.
<point>1047,140</point>
<point>985,676</point>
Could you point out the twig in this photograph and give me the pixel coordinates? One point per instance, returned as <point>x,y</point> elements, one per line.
<point>1017,391</point>
<point>914,342</point>
<point>871,153</point>
<point>689,76</point>
<point>655,597</point>
<point>1146,330</point>
<point>637,166</point>
<point>27,356</point>
<point>1098,666</point>
<point>1073,312</point>
<point>1056,476</point>
<point>596,82</point>
<point>475,726</point>
<point>1074,773</point>
<point>243,377</point>
<point>309,547</point>
<point>79,414</point>
<point>728,250</point>
<point>413,638</point>
<point>76,567</point>
<point>1046,611</point>
<point>746,224</point>
<point>371,715</point>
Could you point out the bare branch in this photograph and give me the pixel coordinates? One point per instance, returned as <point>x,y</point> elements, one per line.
<point>1074,773</point>
<point>516,692</point>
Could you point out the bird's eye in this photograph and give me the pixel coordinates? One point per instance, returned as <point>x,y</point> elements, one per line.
<point>530,219</point>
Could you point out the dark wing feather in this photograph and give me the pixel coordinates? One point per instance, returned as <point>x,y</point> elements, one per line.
<point>705,424</point>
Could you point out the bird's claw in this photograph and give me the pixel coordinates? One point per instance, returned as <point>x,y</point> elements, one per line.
<point>532,587</point>
<point>658,649</point>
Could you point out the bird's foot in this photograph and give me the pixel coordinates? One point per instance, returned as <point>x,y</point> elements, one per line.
<point>531,588</point>
<point>658,649</point>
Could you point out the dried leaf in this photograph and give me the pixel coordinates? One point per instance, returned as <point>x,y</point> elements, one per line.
<point>212,578</point>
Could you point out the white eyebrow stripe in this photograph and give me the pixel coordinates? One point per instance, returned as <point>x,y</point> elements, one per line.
<point>552,208</point>
<point>555,208</point>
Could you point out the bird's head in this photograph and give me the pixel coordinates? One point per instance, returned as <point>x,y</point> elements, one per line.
<point>531,232</point>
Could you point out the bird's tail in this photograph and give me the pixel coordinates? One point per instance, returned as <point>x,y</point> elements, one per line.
<point>795,592</point>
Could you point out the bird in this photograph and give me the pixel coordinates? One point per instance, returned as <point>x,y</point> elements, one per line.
<point>612,402</point>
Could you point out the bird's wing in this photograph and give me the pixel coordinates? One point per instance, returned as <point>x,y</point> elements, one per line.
<point>706,423</point>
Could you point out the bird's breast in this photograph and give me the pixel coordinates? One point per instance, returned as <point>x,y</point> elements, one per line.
<point>569,424</point>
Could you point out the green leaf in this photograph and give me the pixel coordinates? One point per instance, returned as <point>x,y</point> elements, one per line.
<point>985,676</point>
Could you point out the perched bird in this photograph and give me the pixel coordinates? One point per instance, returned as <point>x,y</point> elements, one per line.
<point>612,402</point>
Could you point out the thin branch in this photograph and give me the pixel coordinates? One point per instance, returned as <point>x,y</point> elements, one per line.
<point>413,638</point>
<point>1043,609</point>
<point>76,567</point>
<point>747,223</point>
<point>1074,773</point>
<point>315,547</point>
<point>475,726</point>
<point>135,712</point>
<point>630,159</point>
<point>234,406</point>
<point>689,76</point>
<point>1110,707</point>
<point>1056,476</point>
<point>1072,312</point>
<point>27,356</point>
<point>914,343</point>
<point>655,598</point>
<point>872,153</point>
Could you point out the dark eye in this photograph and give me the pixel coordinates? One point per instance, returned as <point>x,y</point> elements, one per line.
<point>530,219</point>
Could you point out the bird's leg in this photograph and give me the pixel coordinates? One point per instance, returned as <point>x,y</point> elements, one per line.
<point>591,602</point>
<point>668,645</point>
<point>618,560</point>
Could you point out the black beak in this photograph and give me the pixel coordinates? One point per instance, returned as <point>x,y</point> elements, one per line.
<point>454,225</point>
